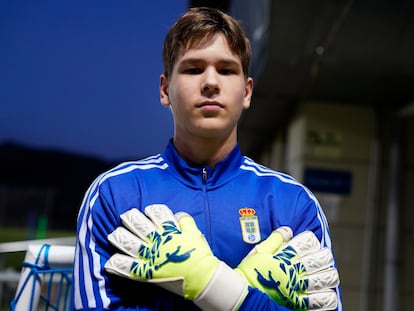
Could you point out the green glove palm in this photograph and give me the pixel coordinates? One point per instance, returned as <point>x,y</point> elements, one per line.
<point>171,252</point>
<point>296,273</point>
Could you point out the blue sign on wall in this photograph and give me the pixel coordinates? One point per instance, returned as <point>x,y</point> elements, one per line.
<point>328,181</point>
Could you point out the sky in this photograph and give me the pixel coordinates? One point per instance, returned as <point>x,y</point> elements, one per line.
<point>83,76</point>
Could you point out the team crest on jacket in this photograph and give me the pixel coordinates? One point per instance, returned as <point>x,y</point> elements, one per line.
<point>249,224</point>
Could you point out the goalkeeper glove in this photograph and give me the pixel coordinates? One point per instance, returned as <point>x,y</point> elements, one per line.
<point>296,273</point>
<point>175,256</point>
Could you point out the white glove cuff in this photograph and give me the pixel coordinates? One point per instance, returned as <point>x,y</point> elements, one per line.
<point>226,290</point>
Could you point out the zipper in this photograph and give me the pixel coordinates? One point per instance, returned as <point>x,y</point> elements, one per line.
<point>204,176</point>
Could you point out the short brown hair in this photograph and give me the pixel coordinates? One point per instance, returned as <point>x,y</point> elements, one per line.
<point>197,26</point>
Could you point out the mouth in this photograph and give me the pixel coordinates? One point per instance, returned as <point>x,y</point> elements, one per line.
<point>210,105</point>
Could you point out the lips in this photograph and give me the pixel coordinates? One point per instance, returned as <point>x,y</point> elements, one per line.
<point>210,104</point>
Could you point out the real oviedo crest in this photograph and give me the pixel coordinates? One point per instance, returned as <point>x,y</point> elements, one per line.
<point>249,224</point>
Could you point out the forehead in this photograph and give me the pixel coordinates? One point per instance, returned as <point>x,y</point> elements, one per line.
<point>216,48</point>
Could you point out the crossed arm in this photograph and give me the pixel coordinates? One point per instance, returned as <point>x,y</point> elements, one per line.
<point>171,252</point>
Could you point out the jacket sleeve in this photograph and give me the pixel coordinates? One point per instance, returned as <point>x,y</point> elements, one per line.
<point>94,222</point>
<point>256,300</point>
<point>93,287</point>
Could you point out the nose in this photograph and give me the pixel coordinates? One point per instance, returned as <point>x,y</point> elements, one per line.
<point>209,88</point>
<point>210,84</point>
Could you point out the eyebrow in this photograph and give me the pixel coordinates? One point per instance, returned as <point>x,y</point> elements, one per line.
<point>226,61</point>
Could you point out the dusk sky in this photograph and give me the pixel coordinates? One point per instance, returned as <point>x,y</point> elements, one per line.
<point>83,76</point>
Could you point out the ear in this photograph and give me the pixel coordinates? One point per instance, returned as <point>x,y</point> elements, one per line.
<point>248,92</point>
<point>164,98</point>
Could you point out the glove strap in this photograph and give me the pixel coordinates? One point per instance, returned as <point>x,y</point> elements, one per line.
<point>226,290</point>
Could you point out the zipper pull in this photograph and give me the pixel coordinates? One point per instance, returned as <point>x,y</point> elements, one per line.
<point>204,174</point>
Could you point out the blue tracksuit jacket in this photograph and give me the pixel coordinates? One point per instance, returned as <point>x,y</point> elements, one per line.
<point>236,205</point>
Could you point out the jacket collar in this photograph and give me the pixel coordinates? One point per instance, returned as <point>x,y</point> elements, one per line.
<point>192,176</point>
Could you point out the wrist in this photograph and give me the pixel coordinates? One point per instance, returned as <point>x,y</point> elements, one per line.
<point>226,290</point>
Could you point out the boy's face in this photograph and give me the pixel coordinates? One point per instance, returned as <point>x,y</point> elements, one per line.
<point>207,91</point>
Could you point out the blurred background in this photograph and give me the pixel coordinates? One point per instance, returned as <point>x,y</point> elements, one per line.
<point>333,105</point>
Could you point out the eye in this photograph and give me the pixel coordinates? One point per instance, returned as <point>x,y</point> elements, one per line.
<point>226,71</point>
<point>227,68</point>
<point>192,70</point>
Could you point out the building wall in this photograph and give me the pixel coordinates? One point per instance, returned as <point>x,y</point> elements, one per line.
<point>407,217</point>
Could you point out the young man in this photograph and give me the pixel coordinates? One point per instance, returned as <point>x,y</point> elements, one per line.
<point>235,203</point>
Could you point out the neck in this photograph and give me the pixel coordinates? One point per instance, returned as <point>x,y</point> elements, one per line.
<point>204,151</point>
